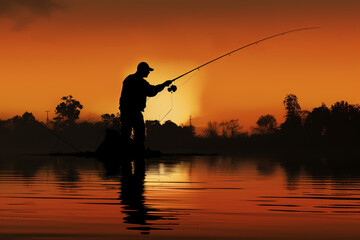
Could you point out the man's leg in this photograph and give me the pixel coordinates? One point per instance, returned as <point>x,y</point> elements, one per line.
<point>139,132</point>
<point>126,126</point>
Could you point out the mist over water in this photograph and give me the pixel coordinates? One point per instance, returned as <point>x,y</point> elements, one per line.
<point>209,197</point>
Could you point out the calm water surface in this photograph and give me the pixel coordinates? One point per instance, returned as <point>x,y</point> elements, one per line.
<point>176,198</point>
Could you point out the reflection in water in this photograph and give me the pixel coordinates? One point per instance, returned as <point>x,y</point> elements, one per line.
<point>202,197</point>
<point>322,170</point>
<point>132,196</point>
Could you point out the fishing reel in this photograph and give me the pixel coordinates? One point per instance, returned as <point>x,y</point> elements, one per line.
<point>172,88</point>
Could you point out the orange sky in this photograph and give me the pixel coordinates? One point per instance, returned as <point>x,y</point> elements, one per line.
<point>49,49</point>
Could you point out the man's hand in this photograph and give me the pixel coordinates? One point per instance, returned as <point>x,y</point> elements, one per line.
<point>168,83</point>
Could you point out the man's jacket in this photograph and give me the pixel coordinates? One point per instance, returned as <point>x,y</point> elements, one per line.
<point>134,92</point>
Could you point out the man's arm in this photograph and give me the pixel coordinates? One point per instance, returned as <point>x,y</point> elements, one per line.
<point>152,90</point>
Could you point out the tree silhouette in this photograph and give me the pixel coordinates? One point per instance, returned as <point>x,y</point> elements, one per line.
<point>292,106</point>
<point>230,128</point>
<point>293,119</point>
<point>111,120</point>
<point>25,121</point>
<point>344,124</point>
<point>28,117</point>
<point>345,110</point>
<point>317,121</point>
<point>170,125</point>
<point>266,124</point>
<point>107,118</point>
<point>68,111</point>
<point>212,129</point>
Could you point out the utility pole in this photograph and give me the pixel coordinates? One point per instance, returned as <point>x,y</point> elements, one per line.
<point>47,117</point>
<point>190,121</point>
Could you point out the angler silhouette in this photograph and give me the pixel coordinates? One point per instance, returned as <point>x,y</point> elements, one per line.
<point>133,102</point>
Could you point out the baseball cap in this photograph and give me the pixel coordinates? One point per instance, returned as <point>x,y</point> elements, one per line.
<point>144,66</point>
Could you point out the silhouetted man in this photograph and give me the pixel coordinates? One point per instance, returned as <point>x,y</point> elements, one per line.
<point>133,102</point>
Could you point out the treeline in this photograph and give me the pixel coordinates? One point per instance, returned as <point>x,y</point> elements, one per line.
<point>320,129</point>
<point>323,127</point>
<point>25,134</point>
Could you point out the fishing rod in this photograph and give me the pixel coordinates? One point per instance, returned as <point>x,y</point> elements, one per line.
<point>173,88</point>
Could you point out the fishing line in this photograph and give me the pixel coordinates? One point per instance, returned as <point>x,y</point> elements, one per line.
<point>100,134</point>
<point>172,106</point>
<point>172,101</point>
<point>62,139</point>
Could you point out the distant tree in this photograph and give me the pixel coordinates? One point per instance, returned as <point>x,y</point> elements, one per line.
<point>317,121</point>
<point>303,115</point>
<point>190,129</point>
<point>266,124</point>
<point>224,129</point>
<point>28,117</point>
<point>230,128</point>
<point>68,111</point>
<point>292,106</point>
<point>111,121</point>
<point>170,125</point>
<point>344,124</point>
<point>152,126</point>
<point>26,120</point>
<point>152,123</point>
<point>107,118</point>
<point>294,116</point>
<point>345,110</point>
<point>212,129</point>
